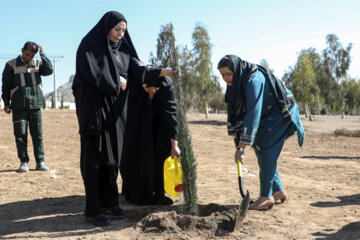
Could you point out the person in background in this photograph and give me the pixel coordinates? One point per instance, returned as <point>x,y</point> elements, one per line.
<point>261,113</point>
<point>106,62</point>
<point>23,96</point>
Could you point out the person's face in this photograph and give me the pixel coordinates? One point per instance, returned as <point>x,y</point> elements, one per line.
<point>117,32</point>
<point>227,75</point>
<point>27,55</point>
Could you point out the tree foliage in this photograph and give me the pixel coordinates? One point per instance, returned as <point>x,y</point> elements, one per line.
<point>329,90</point>
<point>168,56</point>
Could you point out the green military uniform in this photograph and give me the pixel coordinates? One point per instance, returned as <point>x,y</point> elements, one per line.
<point>22,90</point>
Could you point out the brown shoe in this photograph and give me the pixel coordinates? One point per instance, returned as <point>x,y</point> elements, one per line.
<point>263,203</point>
<point>279,195</point>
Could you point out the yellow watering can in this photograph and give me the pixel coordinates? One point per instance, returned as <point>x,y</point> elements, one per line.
<point>173,184</point>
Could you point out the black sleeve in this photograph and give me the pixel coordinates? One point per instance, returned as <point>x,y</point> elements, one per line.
<point>46,68</point>
<point>144,75</point>
<point>165,105</point>
<point>7,83</point>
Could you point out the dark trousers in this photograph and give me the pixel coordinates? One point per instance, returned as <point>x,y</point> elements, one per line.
<point>21,120</point>
<point>99,169</point>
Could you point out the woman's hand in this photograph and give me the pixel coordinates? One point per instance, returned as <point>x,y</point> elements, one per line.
<point>175,150</point>
<point>7,109</point>
<point>168,72</point>
<point>151,91</point>
<point>123,83</point>
<point>240,155</point>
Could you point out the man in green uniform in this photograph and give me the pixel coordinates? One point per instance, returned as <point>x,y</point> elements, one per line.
<point>23,96</point>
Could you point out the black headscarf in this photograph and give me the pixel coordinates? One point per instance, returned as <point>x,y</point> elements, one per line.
<point>95,61</point>
<point>96,86</point>
<point>235,95</point>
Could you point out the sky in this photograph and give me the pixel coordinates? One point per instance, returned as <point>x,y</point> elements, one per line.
<point>275,30</point>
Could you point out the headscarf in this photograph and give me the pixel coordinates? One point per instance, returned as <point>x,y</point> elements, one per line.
<point>235,95</point>
<point>96,85</point>
<point>95,61</point>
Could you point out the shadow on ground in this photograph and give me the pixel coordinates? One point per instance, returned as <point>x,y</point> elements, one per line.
<point>344,201</point>
<point>209,122</point>
<point>332,157</point>
<point>350,231</point>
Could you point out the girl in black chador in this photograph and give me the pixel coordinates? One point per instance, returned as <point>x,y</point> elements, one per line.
<point>106,62</point>
<point>150,137</point>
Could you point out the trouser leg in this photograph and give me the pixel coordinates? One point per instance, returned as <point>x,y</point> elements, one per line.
<point>35,127</point>
<point>269,176</point>
<point>20,123</point>
<point>277,185</point>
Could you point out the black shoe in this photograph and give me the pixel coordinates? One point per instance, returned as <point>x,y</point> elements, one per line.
<point>115,211</point>
<point>164,201</point>
<point>99,220</point>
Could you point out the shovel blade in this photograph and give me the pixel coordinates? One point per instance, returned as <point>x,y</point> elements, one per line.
<point>243,210</point>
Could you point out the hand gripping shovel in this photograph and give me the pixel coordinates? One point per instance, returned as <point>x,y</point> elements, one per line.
<point>244,205</point>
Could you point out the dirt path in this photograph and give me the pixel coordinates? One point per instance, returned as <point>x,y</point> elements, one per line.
<point>322,180</point>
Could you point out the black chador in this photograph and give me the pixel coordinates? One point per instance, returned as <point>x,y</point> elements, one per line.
<point>149,127</point>
<point>101,108</point>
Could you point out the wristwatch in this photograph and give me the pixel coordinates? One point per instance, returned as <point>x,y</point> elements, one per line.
<point>241,149</point>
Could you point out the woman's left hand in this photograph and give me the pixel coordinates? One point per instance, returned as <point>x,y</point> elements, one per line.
<point>175,150</point>
<point>151,91</point>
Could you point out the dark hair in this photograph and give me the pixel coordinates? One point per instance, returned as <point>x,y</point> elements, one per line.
<point>226,62</point>
<point>31,46</point>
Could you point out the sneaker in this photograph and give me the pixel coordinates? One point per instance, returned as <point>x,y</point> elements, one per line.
<point>41,167</point>
<point>24,167</point>
<point>99,220</point>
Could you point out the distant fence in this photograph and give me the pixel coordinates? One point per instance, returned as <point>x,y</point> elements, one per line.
<point>69,105</point>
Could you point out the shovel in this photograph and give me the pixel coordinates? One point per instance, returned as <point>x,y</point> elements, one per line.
<point>244,205</point>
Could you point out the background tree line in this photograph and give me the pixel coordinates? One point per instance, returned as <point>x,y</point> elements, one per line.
<point>319,81</point>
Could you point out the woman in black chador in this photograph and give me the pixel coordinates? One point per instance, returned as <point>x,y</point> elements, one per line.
<point>106,62</point>
<point>150,137</point>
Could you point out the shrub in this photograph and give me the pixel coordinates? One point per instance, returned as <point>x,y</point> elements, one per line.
<point>347,133</point>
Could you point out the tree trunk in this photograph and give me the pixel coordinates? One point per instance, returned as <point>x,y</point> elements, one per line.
<point>318,106</point>
<point>206,110</point>
<point>307,112</point>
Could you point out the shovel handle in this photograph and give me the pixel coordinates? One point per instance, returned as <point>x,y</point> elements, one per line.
<point>239,168</point>
<point>240,178</point>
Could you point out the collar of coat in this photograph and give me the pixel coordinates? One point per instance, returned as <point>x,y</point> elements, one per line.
<point>20,62</point>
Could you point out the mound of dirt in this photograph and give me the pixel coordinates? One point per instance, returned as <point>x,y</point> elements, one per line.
<point>213,220</point>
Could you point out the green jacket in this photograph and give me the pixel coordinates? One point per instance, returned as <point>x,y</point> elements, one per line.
<point>21,83</point>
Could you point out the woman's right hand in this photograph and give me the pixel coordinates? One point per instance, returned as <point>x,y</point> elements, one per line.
<point>239,156</point>
<point>169,72</point>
